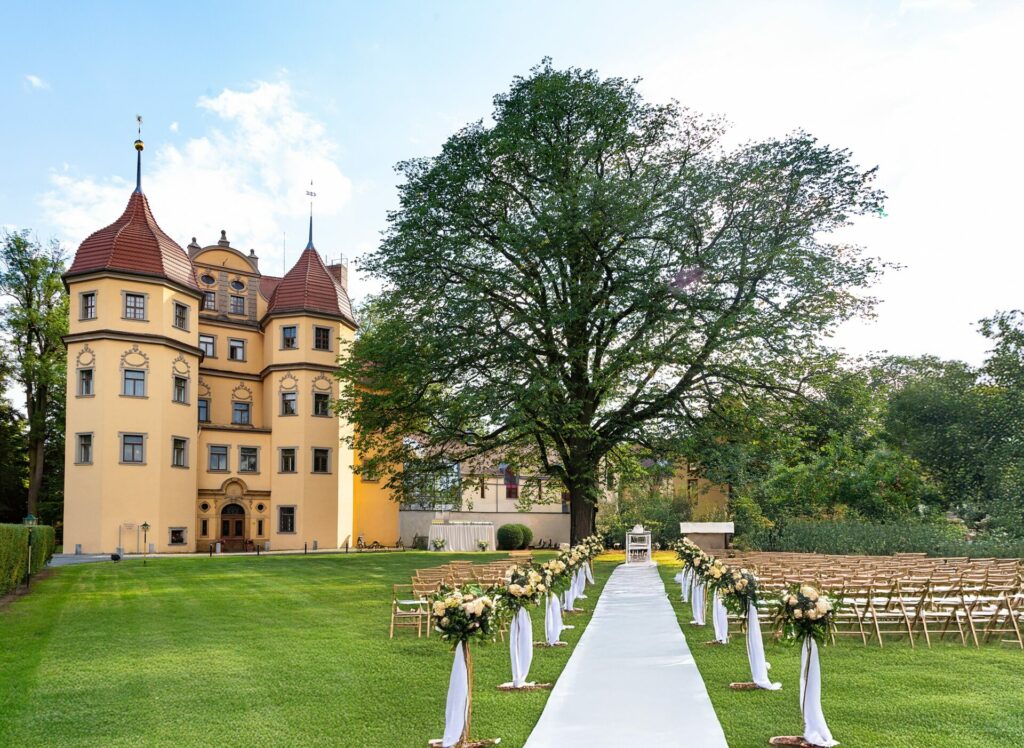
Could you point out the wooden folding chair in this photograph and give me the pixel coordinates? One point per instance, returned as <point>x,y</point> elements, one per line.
<point>408,609</point>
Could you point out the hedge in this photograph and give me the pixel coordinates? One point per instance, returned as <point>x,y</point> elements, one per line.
<point>14,552</point>
<point>878,539</point>
<point>527,536</point>
<point>510,537</point>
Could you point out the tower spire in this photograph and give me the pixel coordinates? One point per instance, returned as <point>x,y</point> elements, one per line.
<point>138,163</point>
<point>311,194</point>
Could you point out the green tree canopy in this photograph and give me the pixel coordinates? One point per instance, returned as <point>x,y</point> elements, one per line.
<point>592,270</point>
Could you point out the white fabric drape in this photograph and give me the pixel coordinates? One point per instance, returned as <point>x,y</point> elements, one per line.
<point>552,620</point>
<point>569,596</point>
<point>520,643</point>
<point>816,731</point>
<point>581,583</point>
<point>686,583</point>
<point>457,706</point>
<point>720,619</point>
<point>462,537</point>
<point>698,603</point>
<point>755,653</point>
<point>590,572</point>
<point>678,577</point>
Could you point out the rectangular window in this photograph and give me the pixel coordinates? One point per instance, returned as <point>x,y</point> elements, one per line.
<point>85,383</point>
<point>84,456</point>
<point>289,404</point>
<point>176,536</point>
<point>180,316</point>
<point>287,460</point>
<point>321,460</point>
<point>236,349</point>
<point>322,338</point>
<point>218,459</point>
<point>248,460</point>
<point>238,304</point>
<point>240,414</point>
<point>134,383</point>
<point>289,336</point>
<point>286,519</point>
<point>134,306</point>
<point>88,310</point>
<point>179,452</point>
<point>259,528</point>
<point>208,345</point>
<point>204,410</point>
<point>321,404</point>
<point>204,528</point>
<point>132,448</point>
<point>210,301</point>
<point>180,390</point>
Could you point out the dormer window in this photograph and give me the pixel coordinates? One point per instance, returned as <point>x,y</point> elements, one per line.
<point>237,305</point>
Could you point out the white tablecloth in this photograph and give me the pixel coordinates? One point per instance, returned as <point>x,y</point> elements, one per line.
<point>462,537</point>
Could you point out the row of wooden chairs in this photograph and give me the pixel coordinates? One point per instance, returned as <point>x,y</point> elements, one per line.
<point>410,606</point>
<point>907,596</point>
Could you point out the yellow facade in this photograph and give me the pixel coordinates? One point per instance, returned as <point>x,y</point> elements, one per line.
<point>263,463</point>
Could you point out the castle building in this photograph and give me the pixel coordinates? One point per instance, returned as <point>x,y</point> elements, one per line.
<point>200,398</point>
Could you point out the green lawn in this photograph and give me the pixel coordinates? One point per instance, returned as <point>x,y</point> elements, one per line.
<point>278,650</point>
<point>896,697</point>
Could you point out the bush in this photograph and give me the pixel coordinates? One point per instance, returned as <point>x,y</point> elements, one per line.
<point>13,551</point>
<point>527,536</point>
<point>510,537</point>
<point>878,539</point>
<point>44,541</point>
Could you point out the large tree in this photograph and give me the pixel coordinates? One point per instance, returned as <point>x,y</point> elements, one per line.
<point>34,320</point>
<point>589,271</point>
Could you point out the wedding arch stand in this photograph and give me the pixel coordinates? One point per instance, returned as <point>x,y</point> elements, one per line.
<point>465,741</point>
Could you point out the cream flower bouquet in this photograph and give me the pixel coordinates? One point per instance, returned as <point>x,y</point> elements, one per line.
<point>804,611</point>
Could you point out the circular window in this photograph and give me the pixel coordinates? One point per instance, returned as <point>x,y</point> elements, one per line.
<point>204,506</point>
<point>259,507</point>
<point>208,279</point>
<point>237,285</point>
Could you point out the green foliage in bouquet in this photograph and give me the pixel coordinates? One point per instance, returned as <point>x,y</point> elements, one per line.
<point>806,611</point>
<point>686,550</point>
<point>466,612</point>
<point>524,586</point>
<point>718,576</point>
<point>741,591</point>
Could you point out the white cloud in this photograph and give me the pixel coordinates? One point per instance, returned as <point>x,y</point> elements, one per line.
<point>912,5</point>
<point>34,81</point>
<point>173,127</point>
<point>248,175</point>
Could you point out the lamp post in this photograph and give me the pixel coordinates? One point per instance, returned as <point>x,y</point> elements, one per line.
<point>29,522</point>
<point>145,544</point>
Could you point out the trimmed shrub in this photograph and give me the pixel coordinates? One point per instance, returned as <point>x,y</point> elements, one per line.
<point>527,536</point>
<point>878,539</point>
<point>510,537</point>
<point>13,556</point>
<point>44,541</point>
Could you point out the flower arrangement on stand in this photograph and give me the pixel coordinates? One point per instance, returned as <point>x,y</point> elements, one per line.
<point>698,562</point>
<point>555,577</point>
<point>741,597</point>
<point>525,586</point>
<point>573,561</point>
<point>438,544</point>
<point>807,615</point>
<point>718,579</point>
<point>483,545</point>
<point>462,615</point>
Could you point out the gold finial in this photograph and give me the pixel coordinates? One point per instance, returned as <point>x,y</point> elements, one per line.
<point>138,143</point>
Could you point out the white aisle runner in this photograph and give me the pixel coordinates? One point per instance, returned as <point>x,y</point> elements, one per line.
<point>631,679</point>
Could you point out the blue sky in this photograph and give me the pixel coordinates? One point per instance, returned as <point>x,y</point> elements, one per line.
<point>245,102</point>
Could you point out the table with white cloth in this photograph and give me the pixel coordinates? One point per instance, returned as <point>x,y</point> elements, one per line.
<point>462,536</point>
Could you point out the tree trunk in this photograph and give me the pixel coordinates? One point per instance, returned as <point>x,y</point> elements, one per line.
<point>584,492</point>
<point>36,451</point>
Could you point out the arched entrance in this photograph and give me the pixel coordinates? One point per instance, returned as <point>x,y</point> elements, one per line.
<point>232,527</point>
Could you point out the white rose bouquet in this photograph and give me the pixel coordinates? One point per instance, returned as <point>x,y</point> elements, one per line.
<point>717,575</point>
<point>740,592</point>
<point>524,586</point>
<point>466,612</point>
<point>555,575</point>
<point>806,611</point>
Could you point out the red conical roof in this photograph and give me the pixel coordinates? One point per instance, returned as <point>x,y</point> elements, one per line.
<point>134,243</point>
<point>310,287</point>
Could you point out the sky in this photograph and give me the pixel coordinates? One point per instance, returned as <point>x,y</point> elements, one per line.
<point>244,103</point>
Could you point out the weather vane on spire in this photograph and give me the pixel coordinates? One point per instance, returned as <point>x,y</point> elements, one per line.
<point>311,195</point>
<point>138,164</point>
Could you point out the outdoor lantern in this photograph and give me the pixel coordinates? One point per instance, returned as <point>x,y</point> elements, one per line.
<point>31,520</point>
<point>145,541</point>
